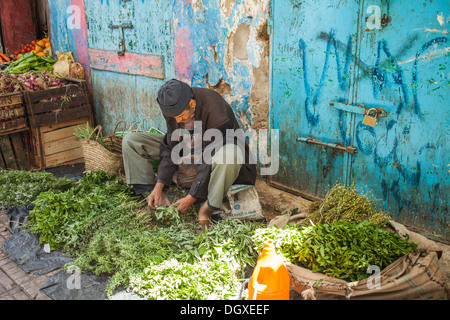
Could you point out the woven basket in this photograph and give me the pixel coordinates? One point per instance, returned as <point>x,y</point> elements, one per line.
<point>114,141</point>
<point>96,157</point>
<point>138,126</point>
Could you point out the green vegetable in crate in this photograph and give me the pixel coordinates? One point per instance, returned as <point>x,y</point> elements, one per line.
<point>341,250</point>
<point>30,61</point>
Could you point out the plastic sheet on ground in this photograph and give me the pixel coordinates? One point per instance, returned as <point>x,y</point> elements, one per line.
<point>24,249</point>
<point>73,285</point>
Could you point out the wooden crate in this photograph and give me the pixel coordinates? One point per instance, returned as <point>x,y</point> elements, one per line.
<point>15,151</point>
<point>53,114</point>
<point>54,144</point>
<point>58,104</point>
<point>13,116</point>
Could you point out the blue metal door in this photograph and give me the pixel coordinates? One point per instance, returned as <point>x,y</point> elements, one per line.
<point>403,69</point>
<point>312,51</point>
<point>123,87</point>
<point>333,62</point>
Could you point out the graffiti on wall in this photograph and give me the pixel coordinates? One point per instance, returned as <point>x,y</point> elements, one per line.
<point>391,144</point>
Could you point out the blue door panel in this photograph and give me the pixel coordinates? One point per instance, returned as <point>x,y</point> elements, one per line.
<point>329,52</point>
<point>406,153</point>
<point>309,70</point>
<point>130,97</point>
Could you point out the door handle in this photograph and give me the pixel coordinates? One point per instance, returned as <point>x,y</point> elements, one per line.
<point>122,47</point>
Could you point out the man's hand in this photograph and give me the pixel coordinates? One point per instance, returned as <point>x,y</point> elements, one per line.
<point>157,198</point>
<point>184,203</point>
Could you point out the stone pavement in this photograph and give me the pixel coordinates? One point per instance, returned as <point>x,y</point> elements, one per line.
<point>15,284</point>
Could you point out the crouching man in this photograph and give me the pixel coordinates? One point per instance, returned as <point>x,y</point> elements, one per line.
<point>220,154</point>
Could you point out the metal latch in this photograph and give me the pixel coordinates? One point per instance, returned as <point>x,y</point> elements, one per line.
<point>348,149</point>
<point>122,47</point>
<point>359,109</point>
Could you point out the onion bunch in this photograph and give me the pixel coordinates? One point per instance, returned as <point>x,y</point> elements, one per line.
<point>40,80</point>
<point>29,81</point>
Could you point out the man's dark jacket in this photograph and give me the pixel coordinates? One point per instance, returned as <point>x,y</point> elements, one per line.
<point>214,112</point>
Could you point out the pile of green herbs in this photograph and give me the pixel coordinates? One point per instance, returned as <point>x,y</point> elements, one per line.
<point>341,249</point>
<point>19,187</point>
<point>107,230</point>
<point>345,203</point>
<point>139,246</point>
<point>59,217</point>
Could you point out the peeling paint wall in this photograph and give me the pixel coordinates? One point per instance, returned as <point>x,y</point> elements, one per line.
<point>218,44</point>
<point>224,45</point>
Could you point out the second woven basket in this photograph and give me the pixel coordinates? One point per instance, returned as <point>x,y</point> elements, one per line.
<point>97,157</point>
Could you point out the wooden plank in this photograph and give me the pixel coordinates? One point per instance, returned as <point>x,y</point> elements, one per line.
<point>60,145</point>
<point>8,153</point>
<point>36,148</point>
<point>60,134</point>
<point>63,157</point>
<point>46,106</point>
<point>11,126</point>
<point>2,162</point>
<point>14,111</point>
<point>11,99</point>
<point>48,142</point>
<point>149,65</point>
<point>20,150</point>
<point>68,89</point>
<point>58,125</point>
<point>63,115</point>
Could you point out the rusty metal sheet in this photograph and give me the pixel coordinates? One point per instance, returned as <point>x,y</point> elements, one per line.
<point>149,65</point>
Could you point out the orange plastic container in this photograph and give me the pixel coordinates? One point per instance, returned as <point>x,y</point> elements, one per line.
<point>270,278</point>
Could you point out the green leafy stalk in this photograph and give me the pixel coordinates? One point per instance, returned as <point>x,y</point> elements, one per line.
<point>341,250</point>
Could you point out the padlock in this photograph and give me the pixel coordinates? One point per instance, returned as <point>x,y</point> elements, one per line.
<point>370,120</point>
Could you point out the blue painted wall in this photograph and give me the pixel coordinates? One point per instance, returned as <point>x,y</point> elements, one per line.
<point>319,52</point>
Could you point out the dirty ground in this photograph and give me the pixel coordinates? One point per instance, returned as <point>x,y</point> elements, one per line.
<point>274,202</point>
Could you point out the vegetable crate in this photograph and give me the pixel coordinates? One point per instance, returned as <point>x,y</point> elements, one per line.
<point>15,151</point>
<point>55,144</point>
<point>53,114</point>
<point>58,104</point>
<point>12,114</point>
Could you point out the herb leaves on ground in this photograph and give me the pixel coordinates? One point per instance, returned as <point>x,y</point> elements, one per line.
<point>19,187</point>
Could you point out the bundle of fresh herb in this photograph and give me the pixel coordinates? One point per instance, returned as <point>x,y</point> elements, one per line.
<point>59,217</point>
<point>344,203</point>
<point>23,187</point>
<point>84,133</point>
<point>342,250</point>
<point>173,280</point>
<point>107,231</point>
